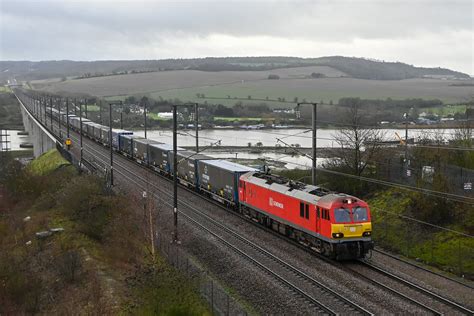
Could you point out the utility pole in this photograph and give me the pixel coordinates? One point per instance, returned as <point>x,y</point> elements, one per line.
<point>100,112</point>
<point>110,145</point>
<point>80,130</point>
<point>51,112</point>
<point>144,112</point>
<point>405,115</point>
<point>175,174</point>
<point>121,116</point>
<point>110,142</point>
<point>196,124</point>
<point>44,105</point>
<point>85,101</point>
<point>67,118</point>
<point>59,111</point>
<point>313,138</point>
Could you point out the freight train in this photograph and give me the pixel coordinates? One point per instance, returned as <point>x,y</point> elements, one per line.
<point>334,224</point>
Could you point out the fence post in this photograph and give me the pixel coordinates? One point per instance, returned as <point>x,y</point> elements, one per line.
<point>407,242</point>
<point>432,248</point>
<point>460,259</point>
<point>177,257</point>
<point>212,296</point>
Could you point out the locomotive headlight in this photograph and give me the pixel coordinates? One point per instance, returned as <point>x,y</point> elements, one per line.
<point>367,234</point>
<point>337,235</point>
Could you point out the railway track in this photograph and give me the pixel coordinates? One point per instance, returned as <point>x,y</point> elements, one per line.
<point>284,279</point>
<point>432,301</point>
<point>314,292</point>
<point>416,266</point>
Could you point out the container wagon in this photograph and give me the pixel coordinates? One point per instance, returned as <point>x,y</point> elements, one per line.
<point>116,133</point>
<point>187,166</point>
<point>159,157</point>
<point>219,179</point>
<point>141,149</point>
<point>126,144</point>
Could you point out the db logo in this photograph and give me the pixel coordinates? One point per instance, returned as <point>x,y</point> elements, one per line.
<point>275,203</point>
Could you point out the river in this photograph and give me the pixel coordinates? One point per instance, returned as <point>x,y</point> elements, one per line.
<point>15,140</point>
<point>231,137</point>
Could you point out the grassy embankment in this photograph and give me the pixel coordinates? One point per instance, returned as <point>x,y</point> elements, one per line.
<point>90,267</point>
<point>441,248</point>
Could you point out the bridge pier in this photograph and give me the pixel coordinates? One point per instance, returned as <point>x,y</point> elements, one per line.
<point>42,141</point>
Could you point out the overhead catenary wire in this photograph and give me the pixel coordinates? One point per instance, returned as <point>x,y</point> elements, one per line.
<point>446,195</point>
<point>439,227</point>
<point>380,142</point>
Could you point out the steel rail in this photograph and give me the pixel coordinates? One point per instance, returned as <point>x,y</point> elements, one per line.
<point>382,252</point>
<point>418,288</point>
<point>263,251</point>
<point>434,295</point>
<point>289,284</point>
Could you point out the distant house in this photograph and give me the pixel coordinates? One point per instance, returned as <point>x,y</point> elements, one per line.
<point>286,111</point>
<point>446,119</point>
<point>165,115</point>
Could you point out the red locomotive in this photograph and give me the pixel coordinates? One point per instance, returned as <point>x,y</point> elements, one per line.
<point>334,224</point>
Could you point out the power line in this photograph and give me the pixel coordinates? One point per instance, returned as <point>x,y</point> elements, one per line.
<point>446,195</point>
<point>380,143</point>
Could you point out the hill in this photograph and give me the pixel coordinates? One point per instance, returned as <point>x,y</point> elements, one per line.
<point>229,87</point>
<point>354,67</point>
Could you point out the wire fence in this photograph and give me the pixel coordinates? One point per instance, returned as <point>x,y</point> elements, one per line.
<point>459,180</point>
<point>446,249</point>
<point>219,300</point>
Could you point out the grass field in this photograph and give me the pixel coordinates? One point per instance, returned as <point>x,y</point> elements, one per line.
<point>325,89</point>
<point>4,89</point>
<point>240,119</point>
<point>228,87</point>
<point>169,80</point>
<point>154,116</point>
<point>92,108</point>
<point>447,110</point>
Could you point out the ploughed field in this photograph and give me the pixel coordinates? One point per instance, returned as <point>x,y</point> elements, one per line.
<point>228,87</point>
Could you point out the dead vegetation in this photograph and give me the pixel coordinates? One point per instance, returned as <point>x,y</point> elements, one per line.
<point>69,246</point>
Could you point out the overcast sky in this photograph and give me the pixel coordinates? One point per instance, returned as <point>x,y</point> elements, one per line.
<point>424,33</point>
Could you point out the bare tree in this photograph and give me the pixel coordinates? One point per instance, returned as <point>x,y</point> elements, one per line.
<point>359,144</point>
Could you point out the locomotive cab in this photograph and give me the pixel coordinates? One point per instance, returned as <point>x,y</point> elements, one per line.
<point>351,219</point>
<point>351,227</point>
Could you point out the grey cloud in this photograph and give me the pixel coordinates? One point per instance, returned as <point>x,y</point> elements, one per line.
<point>119,29</point>
<point>304,19</point>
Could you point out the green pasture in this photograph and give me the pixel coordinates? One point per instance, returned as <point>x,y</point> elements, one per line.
<point>446,110</point>
<point>154,116</point>
<point>240,119</point>
<point>5,89</point>
<point>280,93</point>
<point>92,108</point>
